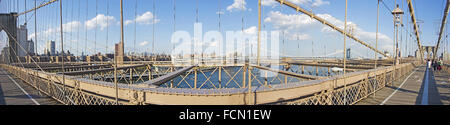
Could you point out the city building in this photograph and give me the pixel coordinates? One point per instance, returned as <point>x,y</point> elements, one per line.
<point>50,48</point>
<point>25,46</point>
<point>418,55</point>
<point>349,53</point>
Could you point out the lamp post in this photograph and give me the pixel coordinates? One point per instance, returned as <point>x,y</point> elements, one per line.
<point>398,21</point>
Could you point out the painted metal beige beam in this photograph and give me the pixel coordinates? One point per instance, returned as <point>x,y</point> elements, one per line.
<point>292,5</point>
<point>264,96</point>
<point>102,70</point>
<point>329,65</point>
<point>289,73</point>
<point>40,6</point>
<point>73,67</point>
<point>169,76</point>
<point>416,28</point>
<point>444,21</point>
<point>164,96</point>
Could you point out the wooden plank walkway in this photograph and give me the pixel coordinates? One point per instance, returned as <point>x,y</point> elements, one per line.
<point>421,87</point>
<point>15,92</point>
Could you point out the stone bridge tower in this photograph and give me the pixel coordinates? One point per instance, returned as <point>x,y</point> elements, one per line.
<point>8,23</point>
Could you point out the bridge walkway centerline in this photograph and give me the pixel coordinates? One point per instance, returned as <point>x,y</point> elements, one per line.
<point>421,87</point>
<point>14,91</point>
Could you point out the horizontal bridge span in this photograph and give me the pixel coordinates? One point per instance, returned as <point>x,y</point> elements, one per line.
<point>223,96</point>
<point>169,76</point>
<point>74,67</point>
<point>290,73</point>
<point>102,70</point>
<point>328,65</point>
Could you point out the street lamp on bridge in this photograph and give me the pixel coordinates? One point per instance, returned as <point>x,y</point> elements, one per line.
<point>398,21</point>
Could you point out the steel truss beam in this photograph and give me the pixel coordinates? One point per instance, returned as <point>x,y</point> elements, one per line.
<point>310,77</point>
<point>102,70</point>
<point>416,28</point>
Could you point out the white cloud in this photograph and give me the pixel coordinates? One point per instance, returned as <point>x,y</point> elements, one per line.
<point>71,26</point>
<point>251,31</point>
<point>384,42</point>
<point>295,25</point>
<point>300,1</point>
<point>144,43</point>
<point>298,36</point>
<point>146,18</point>
<point>128,22</point>
<point>67,27</point>
<point>220,12</point>
<point>320,3</point>
<point>101,21</point>
<point>314,3</point>
<point>290,21</point>
<point>269,3</point>
<point>238,5</point>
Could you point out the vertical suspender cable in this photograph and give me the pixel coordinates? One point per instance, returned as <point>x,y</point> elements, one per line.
<point>85,29</point>
<point>196,12</point>
<point>96,28</point>
<point>376,44</point>
<point>122,45</point>
<point>62,47</point>
<point>78,30</point>
<point>219,25</point>
<point>174,19</point>
<point>259,33</point>
<point>153,27</point>
<point>71,28</point>
<point>242,29</point>
<point>107,26</point>
<point>401,36</point>
<point>135,23</point>
<point>376,36</point>
<point>35,28</point>
<point>345,54</point>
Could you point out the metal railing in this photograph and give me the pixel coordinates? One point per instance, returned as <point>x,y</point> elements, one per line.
<point>286,90</point>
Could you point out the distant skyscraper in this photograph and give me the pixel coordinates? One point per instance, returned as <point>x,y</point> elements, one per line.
<point>50,48</point>
<point>31,47</point>
<point>119,53</point>
<point>22,34</point>
<point>349,54</point>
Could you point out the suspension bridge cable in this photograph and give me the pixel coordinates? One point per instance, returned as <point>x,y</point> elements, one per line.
<point>219,10</point>
<point>135,23</point>
<point>107,27</point>
<point>385,6</point>
<point>35,29</point>
<point>62,48</point>
<point>85,28</point>
<point>345,53</point>
<point>78,30</point>
<point>96,28</point>
<point>71,25</point>
<point>174,20</point>
<point>153,27</point>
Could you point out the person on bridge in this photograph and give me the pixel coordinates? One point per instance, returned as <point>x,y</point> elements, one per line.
<point>428,64</point>
<point>433,65</point>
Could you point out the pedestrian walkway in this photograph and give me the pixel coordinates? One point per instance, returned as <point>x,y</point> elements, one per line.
<point>421,87</point>
<point>15,92</point>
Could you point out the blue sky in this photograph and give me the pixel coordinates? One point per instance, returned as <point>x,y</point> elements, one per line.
<point>303,36</point>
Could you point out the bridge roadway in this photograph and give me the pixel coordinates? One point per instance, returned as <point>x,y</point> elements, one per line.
<point>420,87</point>
<point>15,92</point>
